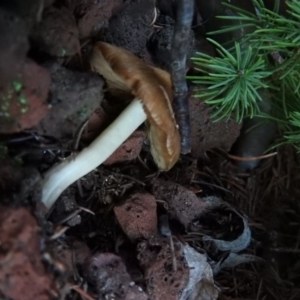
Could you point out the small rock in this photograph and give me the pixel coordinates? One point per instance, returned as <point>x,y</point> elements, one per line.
<point>165,269</point>
<point>183,204</point>
<point>92,16</point>
<point>81,252</point>
<point>129,150</point>
<point>57,34</point>
<point>74,96</point>
<point>130,28</point>
<point>137,216</point>
<point>10,174</point>
<point>64,208</point>
<point>76,220</point>
<point>23,102</point>
<point>207,134</point>
<point>107,275</point>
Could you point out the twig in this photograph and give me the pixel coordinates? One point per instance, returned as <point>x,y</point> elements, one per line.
<point>211,184</point>
<point>79,134</point>
<point>284,250</point>
<point>259,289</point>
<point>86,210</point>
<point>80,190</point>
<point>59,233</point>
<point>239,158</point>
<point>185,10</point>
<point>40,11</point>
<point>127,177</point>
<point>174,262</point>
<point>76,145</point>
<point>81,292</point>
<point>69,217</point>
<point>154,17</point>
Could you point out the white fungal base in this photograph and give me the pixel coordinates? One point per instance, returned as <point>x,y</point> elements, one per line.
<point>62,175</point>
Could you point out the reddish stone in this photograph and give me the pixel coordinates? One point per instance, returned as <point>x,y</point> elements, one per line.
<point>23,102</point>
<point>98,121</point>
<point>94,15</point>
<point>137,216</point>
<point>183,204</point>
<point>22,273</point>
<point>159,259</point>
<point>129,150</point>
<point>206,133</point>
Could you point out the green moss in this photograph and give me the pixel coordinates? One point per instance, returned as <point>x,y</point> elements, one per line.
<point>4,155</point>
<point>8,95</point>
<point>24,110</point>
<point>63,52</point>
<point>83,112</point>
<point>22,99</point>
<point>5,106</point>
<point>18,161</point>
<point>17,85</point>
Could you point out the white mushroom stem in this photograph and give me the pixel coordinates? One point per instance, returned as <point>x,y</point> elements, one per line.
<point>62,175</point>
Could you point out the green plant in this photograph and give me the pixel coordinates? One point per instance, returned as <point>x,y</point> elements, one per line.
<point>233,81</point>
<point>268,57</point>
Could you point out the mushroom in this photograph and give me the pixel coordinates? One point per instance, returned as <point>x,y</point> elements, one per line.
<point>152,92</point>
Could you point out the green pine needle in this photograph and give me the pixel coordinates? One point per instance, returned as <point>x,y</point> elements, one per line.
<point>232,81</point>
<point>266,58</point>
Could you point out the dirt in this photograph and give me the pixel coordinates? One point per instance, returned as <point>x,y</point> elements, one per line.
<point>14,46</point>
<point>126,230</point>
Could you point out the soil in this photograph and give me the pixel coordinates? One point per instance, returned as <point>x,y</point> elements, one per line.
<point>13,45</point>
<point>127,230</point>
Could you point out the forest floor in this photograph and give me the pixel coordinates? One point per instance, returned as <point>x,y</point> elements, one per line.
<point>203,230</point>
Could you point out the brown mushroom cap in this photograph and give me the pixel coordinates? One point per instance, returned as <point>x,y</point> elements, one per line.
<point>124,71</point>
